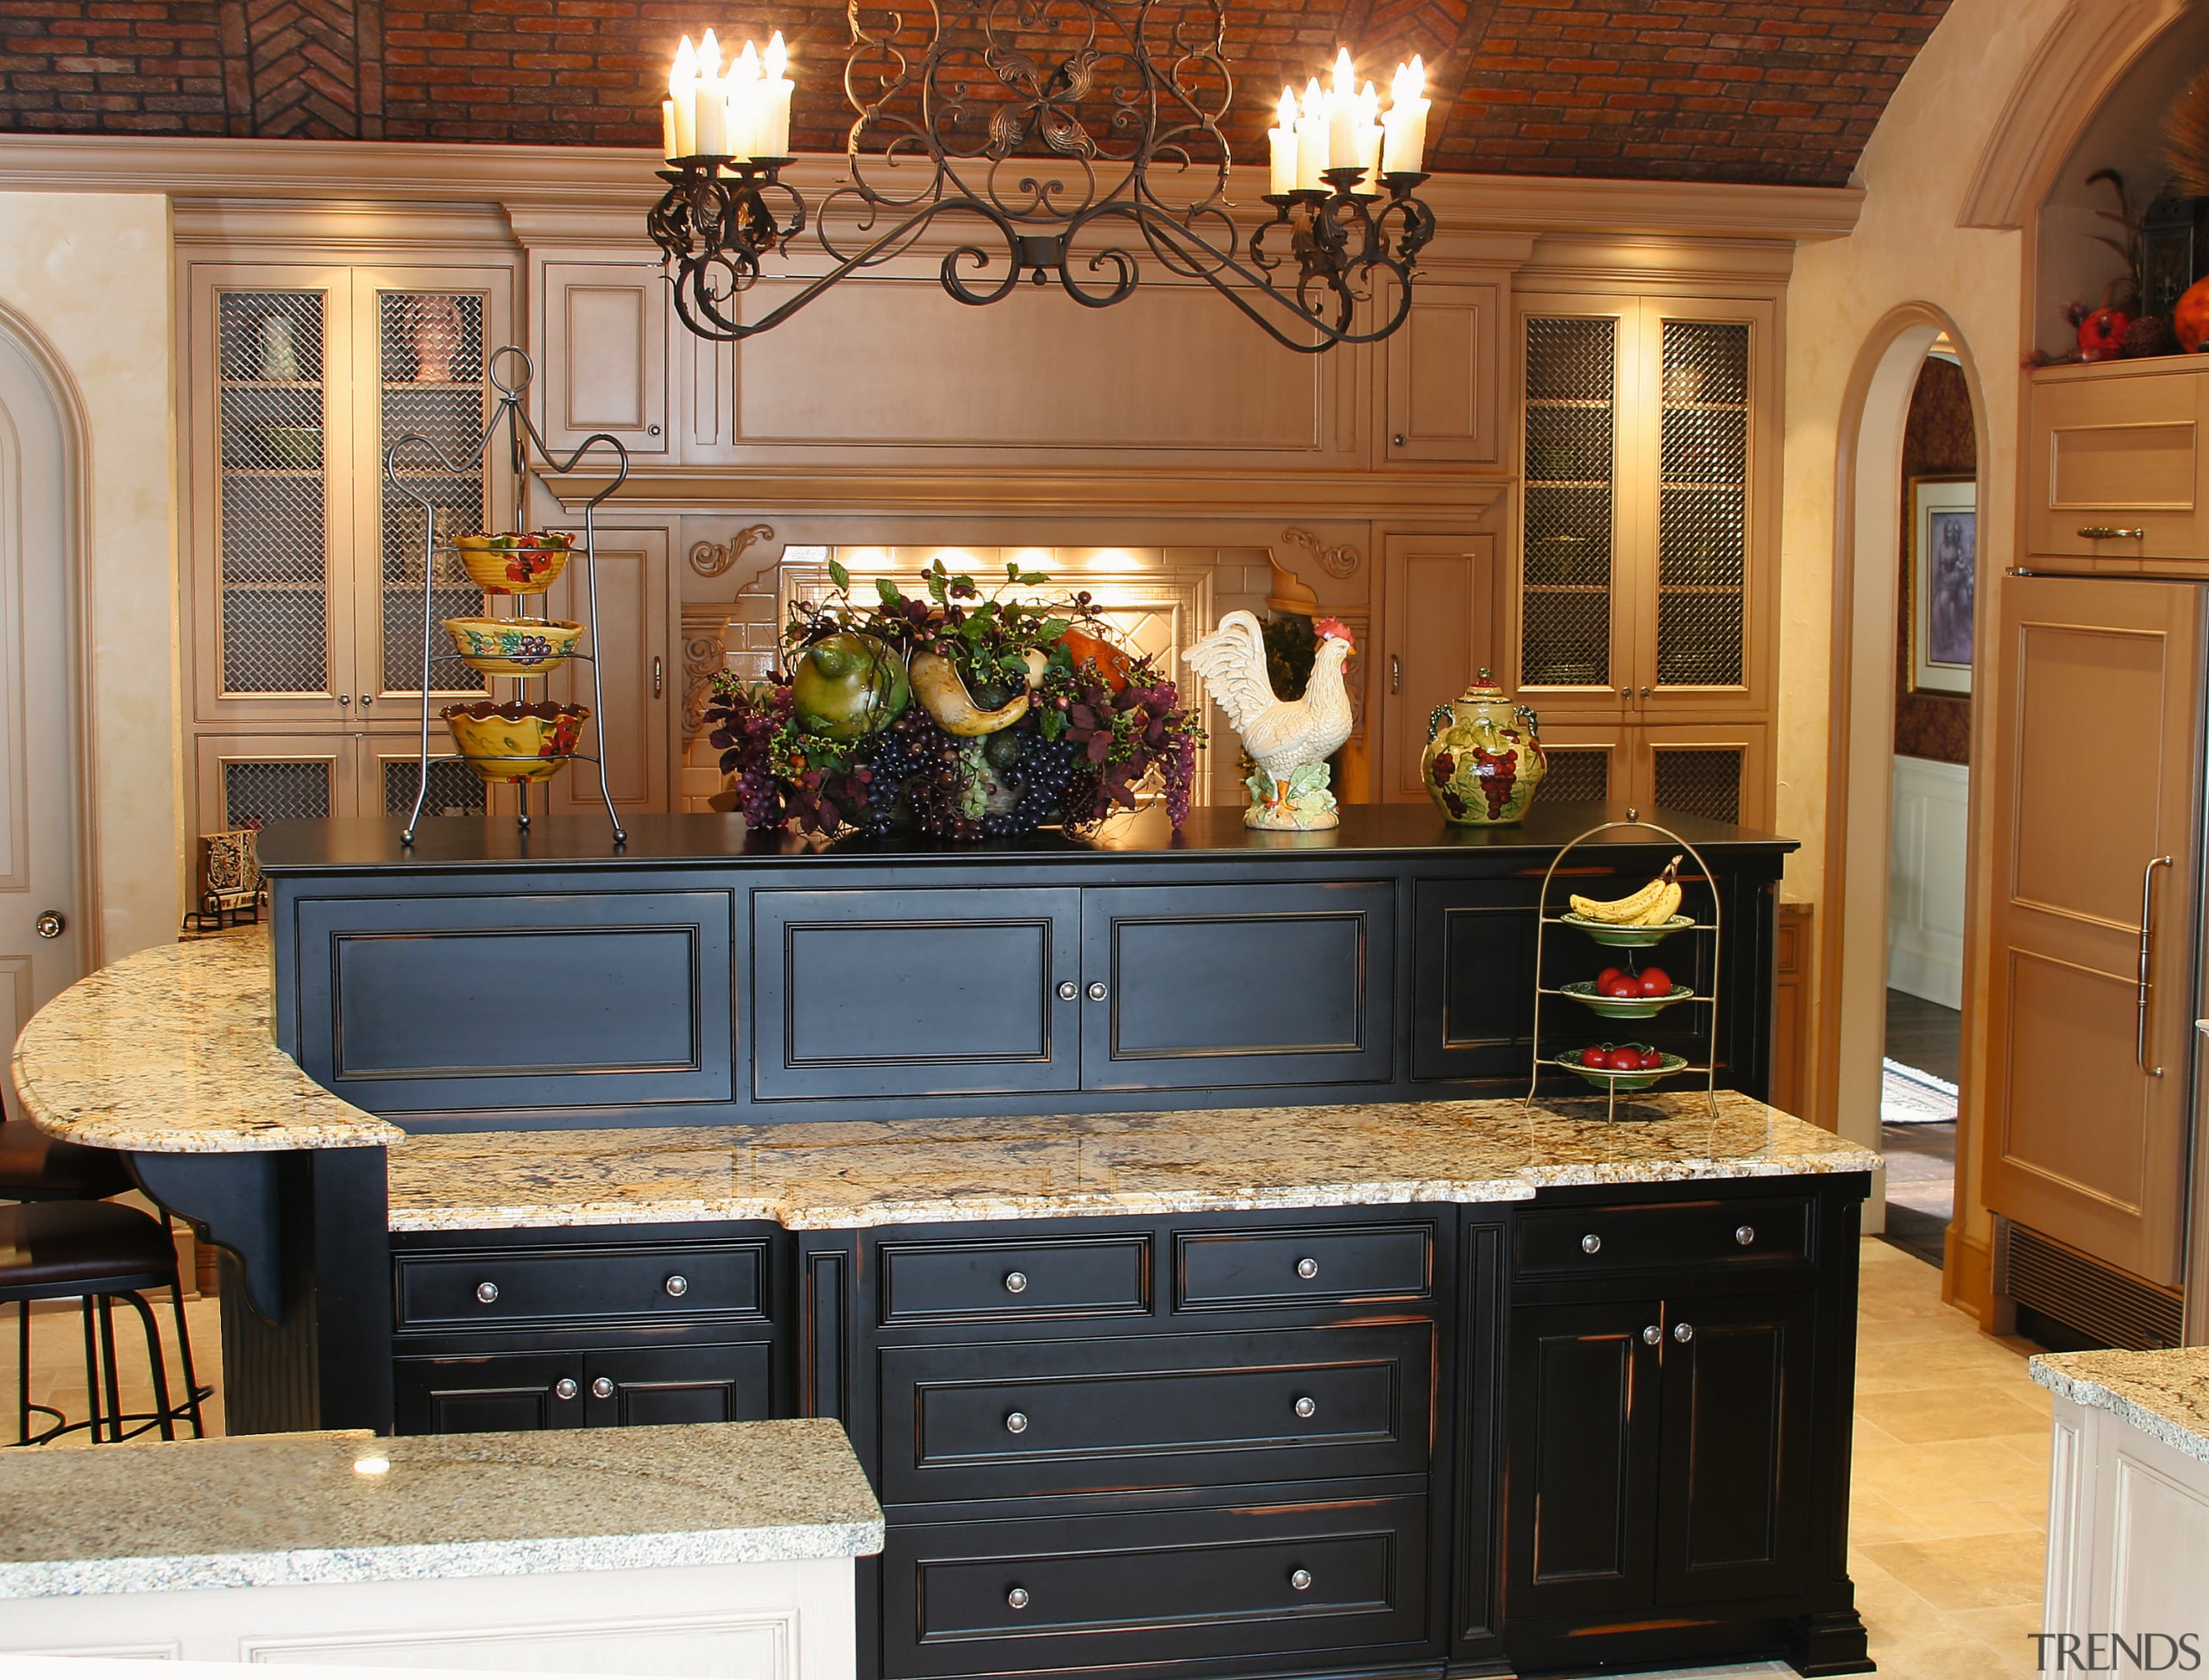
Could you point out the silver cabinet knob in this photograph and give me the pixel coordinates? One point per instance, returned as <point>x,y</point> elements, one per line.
<point>51,924</point>
<point>1016,1423</point>
<point>487,1292</point>
<point>1307,1268</point>
<point>1745,1234</point>
<point>1305,1405</point>
<point>1097,991</point>
<point>1016,1283</point>
<point>1684,1332</point>
<point>1653,1334</point>
<point>1068,991</point>
<point>1299,1581</point>
<point>677,1286</point>
<point>1591,1243</point>
<point>1017,1598</point>
<point>367,699</point>
<point>347,700</point>
<point>565,1389</point>
<point>602,1388</point>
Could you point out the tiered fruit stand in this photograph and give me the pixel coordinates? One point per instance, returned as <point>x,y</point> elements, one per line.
<point>1631,937</point>
<point>517,572</point>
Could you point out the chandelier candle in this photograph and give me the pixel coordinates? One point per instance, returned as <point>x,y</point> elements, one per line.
<point>683,99</point>
<point>1405,150</point>
<point>710,121</point>
<point>773,133</point>
<point>1283,141</point>
<point>1312,141</point>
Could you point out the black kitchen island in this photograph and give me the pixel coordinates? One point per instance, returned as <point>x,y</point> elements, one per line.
<point>1159,1216</point>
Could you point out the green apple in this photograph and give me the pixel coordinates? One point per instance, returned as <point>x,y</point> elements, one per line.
<point>849,685</point>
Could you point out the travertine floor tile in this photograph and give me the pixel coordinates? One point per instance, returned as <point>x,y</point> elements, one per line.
<point>1969,1572</point>
<point>1965,1411</point>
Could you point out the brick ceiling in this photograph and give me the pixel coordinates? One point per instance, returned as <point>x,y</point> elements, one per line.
<point>1760,91</point>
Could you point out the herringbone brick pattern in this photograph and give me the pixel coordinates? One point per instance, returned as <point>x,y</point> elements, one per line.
<point>1783,90</point>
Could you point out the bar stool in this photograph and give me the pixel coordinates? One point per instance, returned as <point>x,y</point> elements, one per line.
<point>35,1167</point>
<point>101,1252</point>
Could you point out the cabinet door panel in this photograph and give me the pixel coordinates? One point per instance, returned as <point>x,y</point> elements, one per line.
<point>1473,979</point>
<point>1440,612</point>
<point>635,654</point>
<point>1581,1489</point>
<point>491,1395</point>
<point>1736,1448</point>
<point>1237,985</point>
<point>603,349</point>
<point>1442,384</point>
<point>721,1384</point>
<point>928,992</point>
<point>2111,450</point>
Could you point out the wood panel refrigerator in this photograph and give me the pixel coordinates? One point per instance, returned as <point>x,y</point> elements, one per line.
<point>2093,984</point>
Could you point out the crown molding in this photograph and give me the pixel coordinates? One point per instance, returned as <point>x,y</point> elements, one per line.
<point>911,491</point>
<point>621,180</point>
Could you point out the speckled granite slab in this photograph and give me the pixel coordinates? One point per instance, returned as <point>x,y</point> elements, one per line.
<point>2163,1395</point>
<point>848,1173</point>
<point>170,1050</point>
<point>297,1509</point>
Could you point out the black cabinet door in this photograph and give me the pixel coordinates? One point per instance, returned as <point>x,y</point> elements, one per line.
<point>1473,979</point>
<point>1734,1509</point>
<point>1581,1478</point>
<point>464,1394</point>
<point>921,992</point>
<point>1233,985</point>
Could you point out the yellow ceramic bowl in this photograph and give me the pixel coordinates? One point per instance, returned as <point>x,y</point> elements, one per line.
<point>506,566</point>
<point>515,742</point>
<point>513,647</point>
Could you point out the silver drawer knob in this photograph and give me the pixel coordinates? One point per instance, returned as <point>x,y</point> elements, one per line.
<point>1652,1334</point>
<point>1306,1406</point>
<point>678,1285</point>
<point>1017,1598</point>
<point>565,1389</point>
<point>1300,1580</point>
<point>1097,991</point>
<point>1067,992</point>
<point>1016,1283</point>
<point>1307,1268</point>
<point>487,1292</point>
<point>1016,1423</point>
<point>602,1388</point>
<point>1745,1234</point>
<point>1684,1332</point>
<point>1591,1243</point>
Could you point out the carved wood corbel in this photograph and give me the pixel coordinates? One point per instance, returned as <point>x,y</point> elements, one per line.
<point>705,656</point>
<point>1337,560</point>
<point>712,559</point>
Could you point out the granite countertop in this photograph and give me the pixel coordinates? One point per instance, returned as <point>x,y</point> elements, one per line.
<point>2163,1393</point>
<point>170,1050</point>
<point>843,1175</point>
<point>298,1509</point>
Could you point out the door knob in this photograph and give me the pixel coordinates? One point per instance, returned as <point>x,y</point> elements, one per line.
<point>1396,675</point>
<point>1299,1581</point>
<point>1016,1423</point>
<point>1591,1243</point>
<point>1305,1405</point>
<point>345,700</point>
<point>1017,1598</point>
<point>367,699</point>
<point>1015,1283</point>
<point>1307,1268</point>
<point>1652,1334</point>
<point>565,1388</point>
<point>51,924</point>
<point>659,676</point>
<point>1097,991</point>
<point>1068,991</point>
<point>487,1292</point>
<point>678,1286</point>
<point>602,1388</point>
<point>1745,1234</point>
<point>1684,1332</point>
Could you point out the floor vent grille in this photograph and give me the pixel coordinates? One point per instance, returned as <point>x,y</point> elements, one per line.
<point>2113,1306</point>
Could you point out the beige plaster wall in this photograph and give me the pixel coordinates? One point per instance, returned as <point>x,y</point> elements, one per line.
<point>89,274</point>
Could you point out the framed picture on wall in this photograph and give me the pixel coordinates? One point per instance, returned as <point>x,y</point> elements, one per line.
<point>1943,573</point>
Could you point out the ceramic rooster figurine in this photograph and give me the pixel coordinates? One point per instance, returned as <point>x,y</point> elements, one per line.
<point>1289,739</point>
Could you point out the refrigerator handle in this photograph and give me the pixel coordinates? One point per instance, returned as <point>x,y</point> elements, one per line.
<point>2146,947</point>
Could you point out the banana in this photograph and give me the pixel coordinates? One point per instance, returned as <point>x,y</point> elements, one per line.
<point>1634,911</point>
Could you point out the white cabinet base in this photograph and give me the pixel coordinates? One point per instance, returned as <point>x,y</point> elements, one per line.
<point>785,1621</point>
<point>2128,1534</point>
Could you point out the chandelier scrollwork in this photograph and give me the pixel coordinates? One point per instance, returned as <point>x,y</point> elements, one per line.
<point>1066,141</point>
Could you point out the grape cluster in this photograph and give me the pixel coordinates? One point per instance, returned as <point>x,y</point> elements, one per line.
<point>1043,770</point>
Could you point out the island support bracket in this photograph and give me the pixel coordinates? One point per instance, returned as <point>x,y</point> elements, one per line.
<point>306,1296</point>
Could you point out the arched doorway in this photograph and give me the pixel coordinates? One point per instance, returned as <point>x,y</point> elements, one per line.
<point>43,925</point>
<point>1870,549</point>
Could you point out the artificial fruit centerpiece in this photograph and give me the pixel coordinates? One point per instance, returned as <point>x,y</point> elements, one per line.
<point>961,713</point>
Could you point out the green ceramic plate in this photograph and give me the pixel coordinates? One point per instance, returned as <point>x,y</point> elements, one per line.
<point>1634,939</point>
<point>1625,1008</point>
<point>1606,1081</point>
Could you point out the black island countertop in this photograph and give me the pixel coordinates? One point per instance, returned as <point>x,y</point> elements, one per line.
<point>660,840</point>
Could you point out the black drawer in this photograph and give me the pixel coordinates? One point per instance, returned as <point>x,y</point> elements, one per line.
<point>949,1282</point>
<point>501,1289</point>
<point>1773,1230</point>
<point>1303,1268</point>
<point>1010,1419</point>
<point>1252,1582</point>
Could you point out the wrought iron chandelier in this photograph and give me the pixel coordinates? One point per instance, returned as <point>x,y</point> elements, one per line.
<point>1065,139</point>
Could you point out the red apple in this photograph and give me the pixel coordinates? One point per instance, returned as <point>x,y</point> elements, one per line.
<point>1654,983</point>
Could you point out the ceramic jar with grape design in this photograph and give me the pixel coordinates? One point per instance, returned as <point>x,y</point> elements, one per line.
<point>1483,757</point>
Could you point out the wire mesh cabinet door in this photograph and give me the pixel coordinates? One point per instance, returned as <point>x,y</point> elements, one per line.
<point>269,446</point>
<point>421,340</point>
